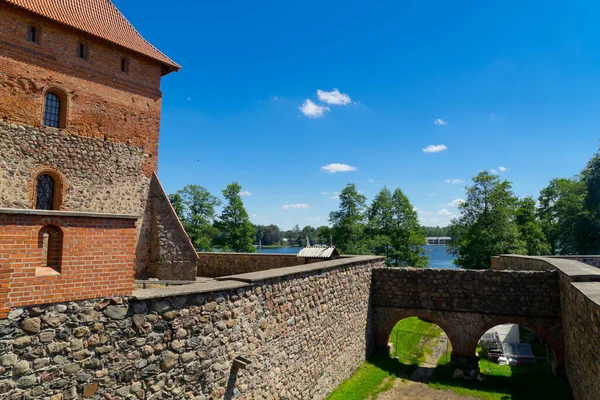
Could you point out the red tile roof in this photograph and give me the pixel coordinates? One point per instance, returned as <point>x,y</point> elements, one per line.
<point>99,18</point>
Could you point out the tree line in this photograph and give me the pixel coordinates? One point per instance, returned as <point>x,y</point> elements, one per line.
<point>493,220</point>
<point>229,231</point>
<point>565,219</point>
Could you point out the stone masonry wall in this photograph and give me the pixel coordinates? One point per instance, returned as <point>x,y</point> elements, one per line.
<point>485,291</point>
<point>99,176</point>
<point>214,265</point>
<point>304,333</point>
<point>579,288</point>
<point>581,318</point>
<point>164,251</point>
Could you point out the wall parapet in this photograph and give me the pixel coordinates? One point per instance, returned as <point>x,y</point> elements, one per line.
<point>311,327</point>
<point>215,265</point>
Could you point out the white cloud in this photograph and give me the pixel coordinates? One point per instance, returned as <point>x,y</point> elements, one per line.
<point>440,122</point>
<point>492,115</point>
<point>455,203</point>
<point>502,169</point>
<point>432,194</point>
<point>335,196</point>
<point>453,181</point>
<point>371,180</point>
<point>312,110</point>
<point>443,211</point>
<point>493,171</point>
<point>312,218</point>
<point>435,148</point>
<point>419,211</point>
<point>296,206</point>
<point>246,193</point>
<point>335,167</point>
<point>334,97</point>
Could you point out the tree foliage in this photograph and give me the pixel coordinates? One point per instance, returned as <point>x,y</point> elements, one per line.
<point>436,231</point>
<point>562,214</point>
<point>236,233</point>
<point>195,207</point>
<point>393,230</point>
<point>530,229</point>
<point>348,221</point>
<point>486,226</point>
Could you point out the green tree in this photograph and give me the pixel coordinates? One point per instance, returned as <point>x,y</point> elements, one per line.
<point>259,234</point>
<point>530,229</point>
<point>235,230</point>
<point>324,235</point>
<point>562,214</point>
<point>393,230</point>
<point>272,234</point>
<point>195,207</point>
<point>348,221</point>
<point>486,226</point>
<point>436,231</point>
<point>380,225</point>
<point>408,237</point>
<point>590,234</point>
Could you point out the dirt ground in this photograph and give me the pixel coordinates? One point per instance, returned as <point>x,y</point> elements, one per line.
<point>416,388</point>
<point>409,390</point>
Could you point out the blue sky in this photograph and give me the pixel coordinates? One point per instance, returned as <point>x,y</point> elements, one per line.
<point>511,84</point>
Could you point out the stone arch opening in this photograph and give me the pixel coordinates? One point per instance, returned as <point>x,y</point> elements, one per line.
<point>50,241</point>
<point>518,343</point>
<point>47,189</point>
<point>416,340</point>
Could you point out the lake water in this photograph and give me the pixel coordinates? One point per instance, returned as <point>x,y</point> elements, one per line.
<point>438,258</point>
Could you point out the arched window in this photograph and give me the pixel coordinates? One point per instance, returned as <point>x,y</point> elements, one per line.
<point>44,192</point>
<point>52,110</point>
<point>50,240</point>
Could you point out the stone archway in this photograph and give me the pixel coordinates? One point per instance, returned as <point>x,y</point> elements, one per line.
<point>549,329</point>
<point>384,320</point>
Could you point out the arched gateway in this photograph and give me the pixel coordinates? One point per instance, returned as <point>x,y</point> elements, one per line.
<point>465,304</point>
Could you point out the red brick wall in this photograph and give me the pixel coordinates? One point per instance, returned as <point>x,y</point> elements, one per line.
<point>98,258</point>
<point>103,102</point>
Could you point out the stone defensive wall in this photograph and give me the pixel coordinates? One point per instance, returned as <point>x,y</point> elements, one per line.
<point>579,292</point>
<point>222,264</point>
<point>465,304</point>
<point>292,332</point>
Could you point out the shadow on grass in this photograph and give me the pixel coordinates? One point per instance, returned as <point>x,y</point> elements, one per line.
<point>522,385</point>
<point>392,366</point>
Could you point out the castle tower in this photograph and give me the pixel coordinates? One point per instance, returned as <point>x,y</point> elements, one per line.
<point>81,210</point>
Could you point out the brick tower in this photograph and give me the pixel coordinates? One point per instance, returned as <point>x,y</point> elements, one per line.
<point>81,209</point>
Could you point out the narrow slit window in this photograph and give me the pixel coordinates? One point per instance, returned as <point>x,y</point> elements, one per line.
<point>33,34</point>
<point>83,51</point>
<point>125,65</point>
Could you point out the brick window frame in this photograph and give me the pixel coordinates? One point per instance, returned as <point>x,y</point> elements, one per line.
<point>50,241</point>
<point>63,98</point>
<point>59,187</point>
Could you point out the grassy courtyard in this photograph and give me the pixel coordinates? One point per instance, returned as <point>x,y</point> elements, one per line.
<point>377,375</point>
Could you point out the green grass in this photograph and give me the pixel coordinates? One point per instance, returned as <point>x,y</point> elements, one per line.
<point>373,377</point>
<point>406,340</point>
<point>503,382</point>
